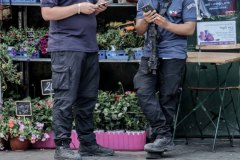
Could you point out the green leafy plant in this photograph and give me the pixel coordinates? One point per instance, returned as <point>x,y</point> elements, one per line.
<point>8,71</point>
<point>119,38</point>
<point>118,111</point>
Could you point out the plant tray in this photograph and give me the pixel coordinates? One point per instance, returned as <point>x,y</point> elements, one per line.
<point>117,55</point>
<point>102,54</point>
<point>20,1</point>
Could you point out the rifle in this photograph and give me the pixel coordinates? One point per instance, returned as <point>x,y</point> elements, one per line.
<point>153,60</point>
<point>153,37</point>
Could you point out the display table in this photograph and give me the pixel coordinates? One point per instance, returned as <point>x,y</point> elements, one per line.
<point>217,59</point>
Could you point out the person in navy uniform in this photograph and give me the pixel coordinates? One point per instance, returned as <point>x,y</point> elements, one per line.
<point>75,73</point>
<point>159,93</point>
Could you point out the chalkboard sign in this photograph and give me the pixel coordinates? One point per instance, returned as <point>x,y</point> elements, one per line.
<point>23,108</point>
<point>46,87</point>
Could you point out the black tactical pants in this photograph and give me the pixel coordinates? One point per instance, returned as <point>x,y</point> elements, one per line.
<point>159,94</point>
<point>75,77</point>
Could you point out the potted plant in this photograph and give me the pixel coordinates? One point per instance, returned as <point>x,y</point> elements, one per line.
<point>25,43</point>
<point>121,40</point>
<point>25,130</point>
<point>120,121</point>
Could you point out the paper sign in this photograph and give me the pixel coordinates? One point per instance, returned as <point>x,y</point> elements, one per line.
<point>216,33</point>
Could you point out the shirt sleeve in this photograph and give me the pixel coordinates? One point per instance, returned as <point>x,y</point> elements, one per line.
<point>140,4</point>
<point>189,11</point>
<point>48,3</point>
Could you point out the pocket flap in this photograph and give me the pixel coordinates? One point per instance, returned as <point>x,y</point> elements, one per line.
<point>60,68</point>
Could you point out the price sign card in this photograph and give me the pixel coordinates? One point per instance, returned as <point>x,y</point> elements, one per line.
<point>30,34</point>
<point>46,87</point>
<point>23,108</point>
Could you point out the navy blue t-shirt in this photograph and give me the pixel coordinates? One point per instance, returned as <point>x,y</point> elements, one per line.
<point>75,33</point>
<point>170,44</point>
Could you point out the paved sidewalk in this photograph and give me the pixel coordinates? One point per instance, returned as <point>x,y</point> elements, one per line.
<point>195,150</point>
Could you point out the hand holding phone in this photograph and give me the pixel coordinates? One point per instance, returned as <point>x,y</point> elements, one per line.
<point>105,2</point>
<point>147,8</point>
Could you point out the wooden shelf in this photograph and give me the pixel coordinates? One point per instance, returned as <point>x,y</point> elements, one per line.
<point>49,60</point>
<point>38,4</point>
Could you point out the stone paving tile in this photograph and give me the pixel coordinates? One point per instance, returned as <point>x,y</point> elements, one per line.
<point>195,150</point>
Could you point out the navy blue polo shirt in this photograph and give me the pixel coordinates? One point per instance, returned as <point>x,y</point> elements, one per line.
<point>75,33</point>
<point>170,44</point>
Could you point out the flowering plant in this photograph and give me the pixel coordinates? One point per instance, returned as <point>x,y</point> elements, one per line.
<point>33,128</point>
<point>120,36</point>
<point>26,42</point>
<point>118,111</point>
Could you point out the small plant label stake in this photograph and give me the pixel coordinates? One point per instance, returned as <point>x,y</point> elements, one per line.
<point>23,108</point>
<point>30,35</point>
<point>46,87</point>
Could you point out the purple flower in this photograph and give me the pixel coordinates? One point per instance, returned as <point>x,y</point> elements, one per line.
<point>21,138</point>
<point>45,136</point>
<point>21,127</point>
<point>39,125</point>
<point>34,137</point>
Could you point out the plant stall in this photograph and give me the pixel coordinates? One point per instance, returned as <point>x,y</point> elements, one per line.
<point>119,123</point>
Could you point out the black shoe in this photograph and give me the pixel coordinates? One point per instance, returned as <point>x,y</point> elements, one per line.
<point>95,150</point>
<point>160,145</point>
<point>65,153</point>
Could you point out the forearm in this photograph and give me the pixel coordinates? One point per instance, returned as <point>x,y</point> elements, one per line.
<point>185,29</point>
<point>141,26</point>
<point>58,13</point>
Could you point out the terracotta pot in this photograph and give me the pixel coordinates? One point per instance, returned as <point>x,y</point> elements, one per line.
<point>16,144</point>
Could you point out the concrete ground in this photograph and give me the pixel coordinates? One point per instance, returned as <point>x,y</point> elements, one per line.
<point>195,150</point>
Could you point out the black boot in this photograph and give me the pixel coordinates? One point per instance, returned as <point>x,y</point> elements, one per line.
<point>95,150</point>
<point>160,145</point>
<point>63,152</point>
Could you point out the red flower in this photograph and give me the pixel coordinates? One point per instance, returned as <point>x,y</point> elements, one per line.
<point>11,123</point>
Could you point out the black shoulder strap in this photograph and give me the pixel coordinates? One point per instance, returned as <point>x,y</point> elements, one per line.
<point>164,7</point>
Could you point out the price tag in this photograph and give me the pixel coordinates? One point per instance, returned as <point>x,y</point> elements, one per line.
<point>46,87</point>
<point>30,34</point>
<point>23,108</point>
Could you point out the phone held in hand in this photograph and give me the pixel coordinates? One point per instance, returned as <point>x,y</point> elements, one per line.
<point>147,8</point>
<point>103,3</point>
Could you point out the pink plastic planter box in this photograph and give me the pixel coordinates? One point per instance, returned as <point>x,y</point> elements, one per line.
<point>117,140</point>
<point>122,141</point>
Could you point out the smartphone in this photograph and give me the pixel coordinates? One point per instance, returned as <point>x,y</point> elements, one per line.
<point>147,8</point>
<point>103,3</point>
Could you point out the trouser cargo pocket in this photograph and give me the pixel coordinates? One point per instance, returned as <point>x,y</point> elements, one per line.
<point>60,77</point>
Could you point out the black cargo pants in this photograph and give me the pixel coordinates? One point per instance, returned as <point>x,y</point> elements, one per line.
<point>75,80</point>
<point>159,108</point>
